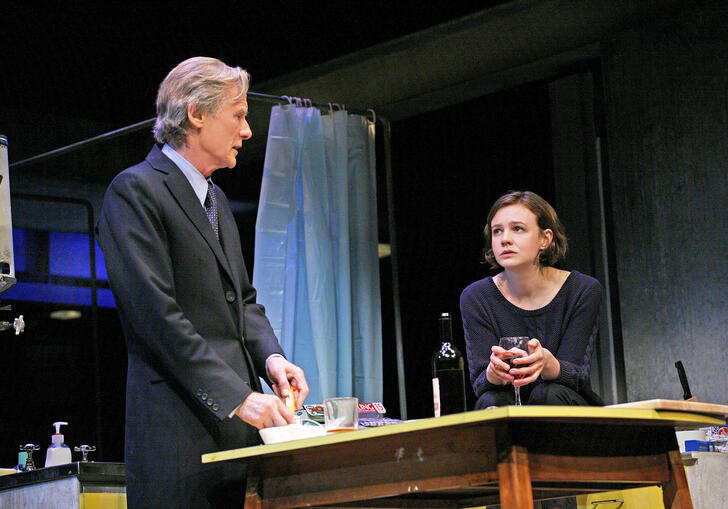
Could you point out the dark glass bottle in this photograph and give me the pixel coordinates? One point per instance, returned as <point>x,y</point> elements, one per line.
<point>448,373</point>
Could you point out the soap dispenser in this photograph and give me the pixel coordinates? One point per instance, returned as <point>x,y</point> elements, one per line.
<point>58,452</point>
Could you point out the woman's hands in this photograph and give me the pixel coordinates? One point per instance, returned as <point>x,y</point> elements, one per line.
<point>498,370</point>
<point>527,367</point>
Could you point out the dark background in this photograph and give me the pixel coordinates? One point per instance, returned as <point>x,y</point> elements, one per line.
<point>655,97</point>
<point>75,70</point>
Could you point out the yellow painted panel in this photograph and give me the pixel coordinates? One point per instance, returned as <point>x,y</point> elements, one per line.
<point>103,501</point>
<point>637,498</point>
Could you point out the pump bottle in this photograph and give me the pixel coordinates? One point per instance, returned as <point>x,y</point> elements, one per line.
<point>58,452</point>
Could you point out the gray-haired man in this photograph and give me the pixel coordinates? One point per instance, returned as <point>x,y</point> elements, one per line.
<point>196,338</point>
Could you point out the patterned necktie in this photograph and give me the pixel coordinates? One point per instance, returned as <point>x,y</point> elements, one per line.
<point>211,208</point>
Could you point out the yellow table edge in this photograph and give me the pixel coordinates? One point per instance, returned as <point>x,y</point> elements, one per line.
<point>674,418</point>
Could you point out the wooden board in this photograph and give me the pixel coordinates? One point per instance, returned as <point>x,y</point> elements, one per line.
<point>677,405</point>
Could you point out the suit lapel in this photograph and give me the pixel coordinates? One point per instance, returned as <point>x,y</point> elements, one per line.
<point>182,191</point>
<point>229,238</point>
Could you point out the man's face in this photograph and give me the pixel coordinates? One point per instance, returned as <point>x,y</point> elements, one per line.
<point>223,132</point>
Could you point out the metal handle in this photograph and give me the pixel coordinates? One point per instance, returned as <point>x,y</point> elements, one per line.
<point>29,448</point>
<point>84,450</point>
<point>18,324</point>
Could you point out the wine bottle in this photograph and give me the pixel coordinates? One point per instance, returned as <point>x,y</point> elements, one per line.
<point>448,373</point>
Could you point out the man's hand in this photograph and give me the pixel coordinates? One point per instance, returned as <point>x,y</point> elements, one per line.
<point>286,376</point>
<point>264,411</point>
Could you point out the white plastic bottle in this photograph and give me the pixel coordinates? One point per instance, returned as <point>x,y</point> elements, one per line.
<point>58,452</point>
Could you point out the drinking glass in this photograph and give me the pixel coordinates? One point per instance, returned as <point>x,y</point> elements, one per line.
<point>341,414</point>
<point>509,344</point>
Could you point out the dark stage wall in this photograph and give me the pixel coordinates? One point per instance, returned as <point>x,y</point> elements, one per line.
<point>667,114</point>
<point>655,104</point>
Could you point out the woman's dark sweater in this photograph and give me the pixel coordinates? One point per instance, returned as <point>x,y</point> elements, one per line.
<point>567,326</point>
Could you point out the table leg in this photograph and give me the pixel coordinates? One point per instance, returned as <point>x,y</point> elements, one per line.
<point>676,494</point>
<point>514,479</point>
<point>252,491</point>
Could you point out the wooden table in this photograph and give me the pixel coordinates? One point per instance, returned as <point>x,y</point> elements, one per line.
<point>507,455</point>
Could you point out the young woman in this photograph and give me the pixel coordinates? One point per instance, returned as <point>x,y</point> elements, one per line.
<point>557,309</point>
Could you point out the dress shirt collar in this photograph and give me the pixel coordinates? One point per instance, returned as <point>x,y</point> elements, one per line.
<point>197,181</point>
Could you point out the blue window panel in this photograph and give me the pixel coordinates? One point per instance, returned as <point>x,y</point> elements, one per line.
<point>100,264</point>
<point>19,246</point>
<point>73,295</point>
<point>69,256</point>
<point>104,298</point>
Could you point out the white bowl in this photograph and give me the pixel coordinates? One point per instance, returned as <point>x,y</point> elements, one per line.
<point>290,432</point>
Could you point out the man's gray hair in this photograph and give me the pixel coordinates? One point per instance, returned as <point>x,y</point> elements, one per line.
<point>200,82</point>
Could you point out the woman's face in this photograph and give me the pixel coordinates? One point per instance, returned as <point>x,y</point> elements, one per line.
<point>516,239</point>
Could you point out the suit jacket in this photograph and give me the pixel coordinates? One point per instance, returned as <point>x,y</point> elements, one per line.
<point>196,338</point>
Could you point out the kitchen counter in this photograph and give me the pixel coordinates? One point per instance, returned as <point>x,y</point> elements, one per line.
<point>91,485</point>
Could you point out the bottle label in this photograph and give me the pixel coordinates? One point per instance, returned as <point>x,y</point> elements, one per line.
<point>436,395</point>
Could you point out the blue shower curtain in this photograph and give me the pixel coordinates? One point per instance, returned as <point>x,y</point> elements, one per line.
<point>316,263</point>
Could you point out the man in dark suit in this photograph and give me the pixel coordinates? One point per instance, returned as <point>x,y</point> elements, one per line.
<point>196,339</point>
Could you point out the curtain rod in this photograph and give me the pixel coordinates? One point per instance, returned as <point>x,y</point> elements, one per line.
<point>284,99</point>
<point>271,99</point>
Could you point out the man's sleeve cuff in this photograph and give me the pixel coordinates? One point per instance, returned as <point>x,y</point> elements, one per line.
<point>267,373</point>
<point>232,414</point>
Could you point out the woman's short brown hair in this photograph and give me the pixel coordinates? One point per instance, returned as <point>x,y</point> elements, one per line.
<point>545,217</point>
